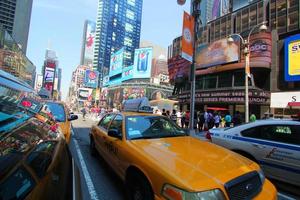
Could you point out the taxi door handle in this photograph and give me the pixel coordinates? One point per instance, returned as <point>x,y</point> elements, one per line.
<point>259,146</point>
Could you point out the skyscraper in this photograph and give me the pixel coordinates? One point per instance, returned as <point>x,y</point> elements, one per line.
<point>15,18</point>
<point>118,25</point>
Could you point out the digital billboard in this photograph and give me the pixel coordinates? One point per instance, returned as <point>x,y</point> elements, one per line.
<point>292,58</point>
<point>84,94</point>
<point>91,79</point>
<point>142,63</point>
<point>90,40</point>
<point>116,62</point>
<point>217,53</point>
<point>127,73</point>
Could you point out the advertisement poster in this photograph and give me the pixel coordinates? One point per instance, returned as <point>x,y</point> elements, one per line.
<point>142,63</point>
<point>187,37</point>
<point>292,58</point>
<point>116,62</point>
<point>133,93</point>
<point>84,94</point>
<point>178,68</point>
<point>215,12</point>
<point>217,53</point>
<point>127,73</point>
<point>90,40</point>
<point>91,79</point>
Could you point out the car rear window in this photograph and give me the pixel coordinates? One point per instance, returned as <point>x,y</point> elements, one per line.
<point>57,111</point>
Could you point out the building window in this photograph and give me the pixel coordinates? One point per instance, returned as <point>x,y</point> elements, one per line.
<point>210,82</point>
<point>293,15</point>
<point>115,22</point>
<point>128,27</point>
<point>130,14</point>
<point>131,2</point>
<point>116,8</point>
<point>225,80</point>
<point>128,41</point>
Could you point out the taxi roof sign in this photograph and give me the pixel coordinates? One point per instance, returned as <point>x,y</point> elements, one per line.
<point>137,105</point>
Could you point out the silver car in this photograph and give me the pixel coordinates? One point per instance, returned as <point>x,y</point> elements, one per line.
<point>274,144</point>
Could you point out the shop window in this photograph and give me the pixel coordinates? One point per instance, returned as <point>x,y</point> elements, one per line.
<point>238,22</point>
<point>239,79</point>
<point>228,25</point>
<point>199,83</point>
<point>281,16</point>
<point>212,32</point>
<point>225,80</point>
<point>210,82</point>
<point>253,16</point>
<point>223,27</point>
<point>260,12</point>
<point>217,30</point>
<point>245,20</point>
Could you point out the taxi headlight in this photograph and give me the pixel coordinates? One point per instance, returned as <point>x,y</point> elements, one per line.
<point>172,193</point>
<point>261,176</point>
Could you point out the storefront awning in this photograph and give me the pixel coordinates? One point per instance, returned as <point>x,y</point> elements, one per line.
<point>294,104</point>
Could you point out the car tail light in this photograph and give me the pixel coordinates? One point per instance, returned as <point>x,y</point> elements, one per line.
<point>208,135</point>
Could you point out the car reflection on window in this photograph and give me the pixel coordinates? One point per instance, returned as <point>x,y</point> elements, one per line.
<point>57,111</point>
<point>17,185</point>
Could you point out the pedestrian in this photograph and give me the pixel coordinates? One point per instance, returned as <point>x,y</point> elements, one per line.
<point>227,120</point>
<point>201,121</point>
<point>210,120</point>
<point>217,119</point>
<point>164,112</point>
<point>168,113</point>
<point>187,119</point>
<point>237,118</point>
<point>178,115</point>
<point>252,117</point>
<point>83,113</point>
<point>173,116</point>
<point>182,119</point>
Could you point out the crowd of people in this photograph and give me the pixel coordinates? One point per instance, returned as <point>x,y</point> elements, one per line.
<point>205,120</point>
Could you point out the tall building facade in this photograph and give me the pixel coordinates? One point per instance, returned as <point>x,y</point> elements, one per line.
<point>118,25</point>
<point>15,17</point>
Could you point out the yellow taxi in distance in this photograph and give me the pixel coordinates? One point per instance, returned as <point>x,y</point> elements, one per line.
<point>158,160</point>
<point>62,116</point>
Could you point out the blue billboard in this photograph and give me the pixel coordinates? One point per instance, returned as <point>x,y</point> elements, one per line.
<point>127,73</point>
<point>142,63</point>
<point>91,79</point>
<point>292,58</point>
<point>116,62</point>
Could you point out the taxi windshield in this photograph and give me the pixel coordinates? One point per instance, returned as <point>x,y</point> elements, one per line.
<point>57,111</point>
<point>148,127</point>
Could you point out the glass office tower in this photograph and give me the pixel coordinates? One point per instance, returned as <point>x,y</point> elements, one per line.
<point>118,25</point>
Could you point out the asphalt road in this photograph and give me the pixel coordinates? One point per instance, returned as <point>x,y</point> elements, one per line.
<point>97,180</point>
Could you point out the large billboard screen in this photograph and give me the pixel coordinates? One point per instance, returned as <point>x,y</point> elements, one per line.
<point>49,75</point>
<point>292,58</point>
<point>116,62</point>
<point>127,73</point>
<point>90,40</point>
<point>91,79</point>
<point>217,53</point>
<point>142,63</point>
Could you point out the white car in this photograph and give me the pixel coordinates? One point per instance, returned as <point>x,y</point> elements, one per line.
<point>274,144</point>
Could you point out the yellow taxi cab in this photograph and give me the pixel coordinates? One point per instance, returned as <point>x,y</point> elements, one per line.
<point>62,116</point>
<point>158,160</point>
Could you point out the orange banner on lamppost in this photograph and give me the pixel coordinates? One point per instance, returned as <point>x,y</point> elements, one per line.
<point>187,37</point>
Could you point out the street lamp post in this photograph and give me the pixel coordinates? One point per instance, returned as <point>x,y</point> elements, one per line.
<point>246,43</point>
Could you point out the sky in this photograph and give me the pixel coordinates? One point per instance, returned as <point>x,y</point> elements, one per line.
<point>58,25</point>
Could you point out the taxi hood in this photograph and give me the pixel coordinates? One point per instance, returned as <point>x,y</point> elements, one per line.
<point>194,162</point>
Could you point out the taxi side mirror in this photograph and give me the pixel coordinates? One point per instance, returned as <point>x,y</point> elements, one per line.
<point>73,117</point>
<point>115,133</point>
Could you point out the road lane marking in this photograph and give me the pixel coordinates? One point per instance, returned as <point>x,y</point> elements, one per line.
<point>87,177</point>
<point>285,197</point>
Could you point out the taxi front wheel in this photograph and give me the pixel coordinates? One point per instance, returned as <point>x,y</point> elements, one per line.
<point>138,188</point>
